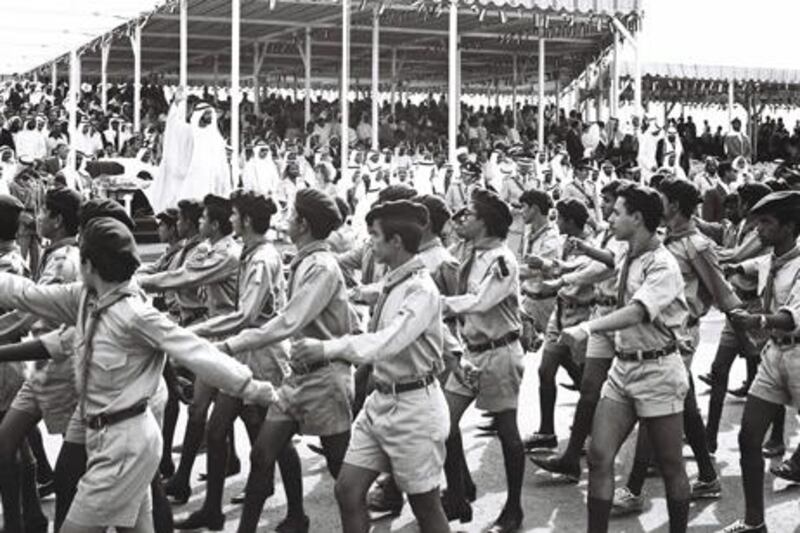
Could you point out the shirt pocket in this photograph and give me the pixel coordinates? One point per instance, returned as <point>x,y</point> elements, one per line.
<point>110,366</point>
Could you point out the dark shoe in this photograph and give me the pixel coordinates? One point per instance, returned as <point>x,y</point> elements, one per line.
<point>787,470</point>
<point>706,378</point>
<point>740,527</point>
<point>292,524</point>
<point>199,520</point>
<point>773,449</point>
<point>741,392</point>
<point>385,499</point>
<point>46,489</point>
<point>177,491</point>
<point>540,441</point>
<point>507,522</point>
<point>570,386</point>
<point>239,498</point>
<point>557,465</point>
<point>456,510</point>
<point>706,490</point>
<point>319,450</point>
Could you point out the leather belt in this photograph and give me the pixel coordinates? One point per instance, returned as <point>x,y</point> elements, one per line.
<point>646,355</point>
<point>406,386</point>
<point>505,340</point>
<point>109,419</point>
<point>301,369</point>
<point>576,305</point>
<point>606,301</point>
<point>785,341</point>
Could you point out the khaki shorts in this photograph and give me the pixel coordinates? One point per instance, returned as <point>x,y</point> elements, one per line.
<point>655,388</point>
<point>403,434</point>
<point>122,460</point>
<point>778,377</point>
<point>320,402</point>
<point>500,377</point>
<point>49,395</point>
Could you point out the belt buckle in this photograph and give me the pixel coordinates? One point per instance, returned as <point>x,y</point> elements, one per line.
<point>97,422</point>
<point>639,355</point>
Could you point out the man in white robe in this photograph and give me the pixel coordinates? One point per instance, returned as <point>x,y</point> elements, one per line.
<point>260,172</point>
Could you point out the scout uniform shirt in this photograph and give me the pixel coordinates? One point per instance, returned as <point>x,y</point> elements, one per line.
<point>584,191</point>
<point>188,300</point>
<point>360,258</point>
<point>169,260</point>
<point>405,338</point>
<point>488,299</point>
<point>50,390</point>
<point>261,289</point>
<point>575,298</point>
<point>653,279</point>
<point>211,267</point>
<point>546,243</point>
<point>11,374</point>
<point>512,188</point>
<point>317,307</point>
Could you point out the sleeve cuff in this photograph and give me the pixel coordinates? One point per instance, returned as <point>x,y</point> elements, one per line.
<point>795,314</point>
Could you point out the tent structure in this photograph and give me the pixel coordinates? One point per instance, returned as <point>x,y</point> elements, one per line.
<point>442,45</point>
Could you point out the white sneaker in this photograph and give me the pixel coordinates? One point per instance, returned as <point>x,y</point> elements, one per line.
<point>741,527</point>
<point>625,502</point>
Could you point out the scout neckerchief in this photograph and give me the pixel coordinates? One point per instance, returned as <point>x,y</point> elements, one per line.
<point>676,235</point>
<point>589,200</point>
<point>95,308</point>
<point>302,253</point>
<point>69,241</point>
<point>190,245</point>
<point>536,234</point>
<point>403,272</point>
<point>244,257</point>
<point>623,273</point>
<point>466,266</point>
<point>776,263</point>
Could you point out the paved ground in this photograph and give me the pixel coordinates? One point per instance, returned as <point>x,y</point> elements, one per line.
<point>549,504</point>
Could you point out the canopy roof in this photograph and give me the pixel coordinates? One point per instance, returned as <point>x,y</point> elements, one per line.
<point>491,33</point>
<point>701,84</point>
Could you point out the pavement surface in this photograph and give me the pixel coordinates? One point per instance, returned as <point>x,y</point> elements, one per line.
<point>550,504</point>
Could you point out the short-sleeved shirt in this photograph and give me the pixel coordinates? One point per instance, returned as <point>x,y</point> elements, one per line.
<point>490,306</point>
<point>786,286</point>
<point>655,282</point>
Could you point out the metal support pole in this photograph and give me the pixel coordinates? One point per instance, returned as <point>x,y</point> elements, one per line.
<point>376,59</point>
<point>731,102</point>
<point>184,32</point>
<point>343,95</point>
<point>53,76</point>
<point>458,85</point>
<point>541,102</point>
<point>307,81</point>
<point>452,79</point>
<point>256,86</point>
<point>614,94</point>
<point>74,68</point>
<point>637,82</point>
<point>216,79</point>
<point>393,95</point>
<point>514,74</point>
<point>236,8</point>
<point>136,42</point>
<point>105,48</point>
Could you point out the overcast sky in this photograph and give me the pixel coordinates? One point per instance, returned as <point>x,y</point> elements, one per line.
<point>751,33</point>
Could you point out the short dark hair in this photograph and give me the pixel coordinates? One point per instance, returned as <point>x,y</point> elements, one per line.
<point>751,193</point>
<point>220,213</point>
<point>9,223</point>
<point>540,199</point>
<point>112,267</point>
<point>611,188</point>
<point>683,192</point>
<point>70,213</point>
<point>574,210</point>
<point>438,212</point>
<point>191,210</point>
<point>776,185</point>
<point>493,211</point>
<point>645,201</point>
<point>402,218</point>
<point>258,208</point>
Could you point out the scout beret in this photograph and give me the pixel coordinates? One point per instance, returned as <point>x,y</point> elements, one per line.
<point>169,216</point>
<point>490,203</point>
<point>10,202</point>
<point>401,210</point>
<point>584,163</point>
<point>396,192</point>
<point>319,209</point>
<point>212,200</point>
<point>438,212</point>
<point>64,200</point>
<point>573,209</point>
<point>191,209</point>
<point>109,237</point>
<point>104,207</point>
<point>778,202</point>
